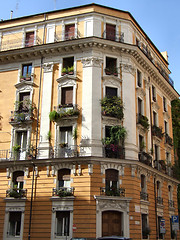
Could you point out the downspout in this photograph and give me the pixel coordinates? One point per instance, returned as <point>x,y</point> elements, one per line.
<point>37,129</point>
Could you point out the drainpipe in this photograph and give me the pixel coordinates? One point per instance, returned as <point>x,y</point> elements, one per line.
<point>37,129</point>
<point>155,200</point>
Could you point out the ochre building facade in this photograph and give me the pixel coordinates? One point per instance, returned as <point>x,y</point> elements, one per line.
<point>85,128</point>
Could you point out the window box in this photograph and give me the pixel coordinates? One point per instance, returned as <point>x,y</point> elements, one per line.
<point>157,131</point>
<point>113,191</point>
<point>168,140</point>
<point>63,192</point>
<point>143,120</point>
<point>16,193</point>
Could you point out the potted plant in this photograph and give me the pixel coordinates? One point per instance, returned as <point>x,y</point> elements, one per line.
<point>64,71</point>
<point>107,71</point>
<point>22,78</point>
<point>16,148</point>
<point>71,70</point>
<point>28,77</point>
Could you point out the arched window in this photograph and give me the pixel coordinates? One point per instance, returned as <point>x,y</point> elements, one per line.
<point>64,176</point>
<point>18,179</point>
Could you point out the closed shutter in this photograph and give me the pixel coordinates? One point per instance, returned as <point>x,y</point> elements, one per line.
<point>69,31</point>
<point>29,39</point>
<point>110,31</point>
<point>67,95</point>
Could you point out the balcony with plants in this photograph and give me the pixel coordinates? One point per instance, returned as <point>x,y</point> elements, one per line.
<point>143,121</point>
<point>168,140</point>
<point>160,165</point>
<point>24,112</point>
<point>145,158</point>
<point>112,191</point>
<point>157,131</point>
<point>16,193</point>
<point>67,70</point>
<point>63,192</point>
<point>64,111</point>
<point>113,146</point>
<point>112,107</point>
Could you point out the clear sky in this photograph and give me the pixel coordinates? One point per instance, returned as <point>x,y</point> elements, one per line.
<point>160,19</point>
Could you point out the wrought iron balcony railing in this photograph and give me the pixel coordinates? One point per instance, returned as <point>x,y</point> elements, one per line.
<point>114,151</point>
<point>119,192</point>
<point>168,140</point>
<point>157,131</point>
<point>145,158</point>
<point>143,121</point>
<point>63,192</point>
<point>159,200</point>
<point>171,203</point>
<point>16,193</point>
<point>4,154</point>
<point>113,36</point>
<point>160,165</point>
<point>64,150</point>
<point>144,196</point>
<point>21,116</point>
<point>64,36</point>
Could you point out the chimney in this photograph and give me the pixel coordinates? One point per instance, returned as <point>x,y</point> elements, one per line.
<point>11,16</point>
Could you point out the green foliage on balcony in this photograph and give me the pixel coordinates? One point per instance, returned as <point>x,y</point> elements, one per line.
<point>64,193</point>
<point>117,135</point>
<point>143,120</point>
<point>157,131</point>
<point>55,116</point>
<point>112,106</point>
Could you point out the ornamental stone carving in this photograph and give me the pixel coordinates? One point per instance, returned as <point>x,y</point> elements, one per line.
<point>112,204</point>
<point>48,67</point>
<point>127,68</point>
<point>92,62</point>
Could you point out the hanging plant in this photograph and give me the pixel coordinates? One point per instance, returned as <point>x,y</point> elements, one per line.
<point>53,116</point>
<point>16,148</point>
<point>75,134</point>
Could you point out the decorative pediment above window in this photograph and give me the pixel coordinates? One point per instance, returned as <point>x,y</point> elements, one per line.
<point>24,85</point>
<point>67,80</point>
<point>112,80</point>
<point>166,116</point>
<point>140,92</point>
<point>155,106</point>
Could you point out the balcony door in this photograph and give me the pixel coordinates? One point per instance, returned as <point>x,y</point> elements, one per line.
<point>24,99</point>
<point>21,139</point>
<point>69,31</point>
<point>111,223</point>
<point>29,41</point>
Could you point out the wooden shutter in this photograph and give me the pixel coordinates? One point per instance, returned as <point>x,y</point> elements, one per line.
<point>29,39</point>
<point>110,32</point>
<point>69,31</point>
<point>67,95</point>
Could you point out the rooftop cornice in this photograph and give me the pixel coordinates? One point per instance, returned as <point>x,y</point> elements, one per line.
<point>79,45</point>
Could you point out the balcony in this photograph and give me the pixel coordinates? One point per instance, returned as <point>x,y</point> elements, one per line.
<point>16,193</point>
<point>111,35</point>
<point>64,111</point>
<point>144,196</point>
<point>143,121</point>
<point>160,165</point>
<point>112,107</point>
<point>111,71</point>
<point>114,151</point>
<point>70,35</point>
<point>171,203</point>
<point>145,158</point>
<point>168,140</point>
<point>159,200</point>
<point>118,192</point>
<point>65,151</point>
<point>157,131</point>
<point>21,117</point>
<point>63,192</point>
<point>4,154</point>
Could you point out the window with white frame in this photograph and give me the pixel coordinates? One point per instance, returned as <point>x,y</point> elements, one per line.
<point>144,226</point>
<point>143,183</point>
<point>111,92</point>
<point>164,104</point>
<point>166,127</point>
<point>14,228</point>
<point>140,106</point>
<point>153,93</point>
<point>29,39</point>
<point>111,66</point>
<point>155,118</point>
<point>62,223</point>
<point>139,78</point>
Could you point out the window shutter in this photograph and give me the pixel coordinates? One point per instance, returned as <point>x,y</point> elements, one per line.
<point>67,95</point>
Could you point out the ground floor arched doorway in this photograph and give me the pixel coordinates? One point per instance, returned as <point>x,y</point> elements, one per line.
<point>112,223</point>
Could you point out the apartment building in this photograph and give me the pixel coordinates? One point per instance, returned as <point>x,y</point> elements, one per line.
<point>85,128</point>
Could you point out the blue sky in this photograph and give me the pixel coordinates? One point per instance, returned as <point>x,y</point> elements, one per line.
<point>160,19</point>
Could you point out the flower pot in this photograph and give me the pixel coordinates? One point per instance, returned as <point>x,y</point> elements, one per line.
<point>62,74</point>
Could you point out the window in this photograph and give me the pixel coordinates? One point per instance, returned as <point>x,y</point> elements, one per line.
<point>168,157</point>
<point>164,104</point>
<point>21,140</point>
<point>154,118</point>
<point>139,79</point>
<point>153,93</point>
<point>24,101</point>
<point>64,178</point>
<point>26,71</point>
<point>141,143</point>
<point>139,106</point>
<point>156,152</point>
<point>165,127</point>
<point>111,66</point>
<point>66,135</point>
<point>69,31</point>
<point>170,193</point>
<point>159,222</point>
<point>137,42</point>
<point>111,92</point>
<point>62,223</point>
<point>145,228</point>
<point>112,176</point>
<point>110,32</point>
<point>66,95</point>
<point>18,179</point>
<point>68,66</point>
<point>29,39</point>
<point>158,189</point>
<point>14,228</point>
<point>143,183</point>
